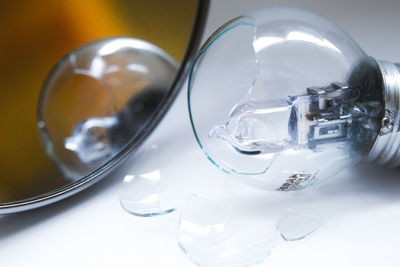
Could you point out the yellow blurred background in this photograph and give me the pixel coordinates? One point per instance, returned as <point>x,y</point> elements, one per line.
<point>35,35</point>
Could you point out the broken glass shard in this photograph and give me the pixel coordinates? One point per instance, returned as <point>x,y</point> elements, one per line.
<point>142,190</point>
<point>209,237</point>
<point>295,227</point>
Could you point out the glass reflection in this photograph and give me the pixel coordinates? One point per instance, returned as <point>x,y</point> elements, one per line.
<point>92,104</point>
<point>37,35</point>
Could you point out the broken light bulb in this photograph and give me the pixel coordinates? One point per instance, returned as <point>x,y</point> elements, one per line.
<point>287,98</point>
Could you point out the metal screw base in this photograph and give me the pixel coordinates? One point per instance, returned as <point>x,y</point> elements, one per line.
<point>386,150</point>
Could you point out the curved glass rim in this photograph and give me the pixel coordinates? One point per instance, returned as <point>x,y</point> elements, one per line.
<point>234,23</point>
<point>134,143</point>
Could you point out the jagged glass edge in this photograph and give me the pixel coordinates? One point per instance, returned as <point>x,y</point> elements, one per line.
<point>213,38</point>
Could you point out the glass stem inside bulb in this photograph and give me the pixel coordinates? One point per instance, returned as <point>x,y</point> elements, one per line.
<point>322,116</point>
<point>97,139</point>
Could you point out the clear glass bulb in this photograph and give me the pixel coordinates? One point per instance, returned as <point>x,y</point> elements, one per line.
<point>98,98</point>
<point>287,98</point>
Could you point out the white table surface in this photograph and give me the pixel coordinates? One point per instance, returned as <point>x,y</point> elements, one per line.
<point>362,203</point>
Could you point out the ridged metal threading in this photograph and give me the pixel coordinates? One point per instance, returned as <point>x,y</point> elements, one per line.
<point>386,150</point>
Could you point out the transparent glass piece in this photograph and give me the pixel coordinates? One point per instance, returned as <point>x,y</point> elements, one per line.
<point>282,92</point>
<point>256,127</point>
<point>98,98</point>
<point>142,193</point>
<point>209,237</point>
<point>294,226</point>
<point>213,100</point>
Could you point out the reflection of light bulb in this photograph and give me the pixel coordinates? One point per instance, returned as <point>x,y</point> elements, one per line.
<point>98,98</point>
<point>288,98</point>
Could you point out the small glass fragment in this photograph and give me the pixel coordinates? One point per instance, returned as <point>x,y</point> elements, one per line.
<point>209,237</point>
<point>142,194</point>
<point>295,227</point>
